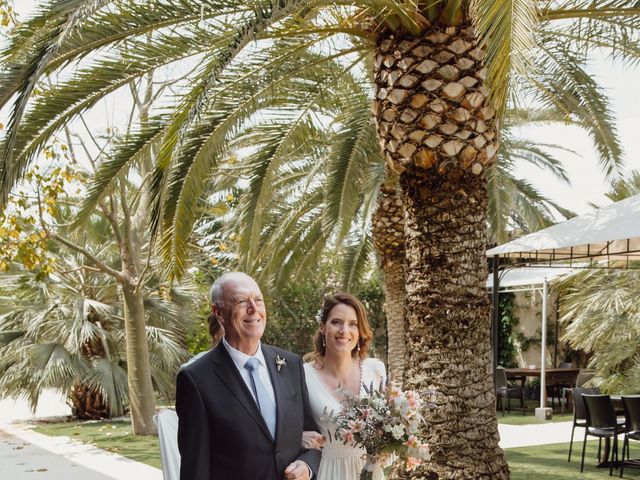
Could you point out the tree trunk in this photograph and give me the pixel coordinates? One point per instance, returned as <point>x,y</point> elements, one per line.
<point>438,132</point>
<point>449,323</point>
<point>88,403</point>
<point>388,238</point>
<point>141,395</point>
<point>394,308</point>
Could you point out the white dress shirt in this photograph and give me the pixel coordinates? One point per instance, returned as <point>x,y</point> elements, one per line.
<point>239,359</point>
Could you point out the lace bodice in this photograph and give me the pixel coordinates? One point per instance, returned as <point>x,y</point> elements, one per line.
<point>339,461</point>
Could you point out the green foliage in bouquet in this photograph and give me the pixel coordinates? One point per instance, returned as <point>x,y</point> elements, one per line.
<point>387,423</point>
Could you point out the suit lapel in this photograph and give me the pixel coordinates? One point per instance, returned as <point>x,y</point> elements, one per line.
<point>228,373</point>
<point>277,381</point>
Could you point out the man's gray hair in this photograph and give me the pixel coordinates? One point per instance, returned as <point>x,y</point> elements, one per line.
<point>216,296</point>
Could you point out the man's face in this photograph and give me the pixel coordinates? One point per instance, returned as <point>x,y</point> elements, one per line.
<point>243,313</point>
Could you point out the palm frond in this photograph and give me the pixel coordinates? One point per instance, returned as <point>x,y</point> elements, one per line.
<point>110,379</point>
<point>508,29</point>
<point>136,147</point>
<point>566,86</point>
<point>68,15</point>
<point>60,104</point>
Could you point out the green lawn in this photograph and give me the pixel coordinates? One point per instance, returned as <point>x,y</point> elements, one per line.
<point>549,462</point>
<point>545,462</point>
<point>516,417</point>
<point>111,436</point>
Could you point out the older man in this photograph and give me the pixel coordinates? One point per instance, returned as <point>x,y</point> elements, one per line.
<point>243,406</point>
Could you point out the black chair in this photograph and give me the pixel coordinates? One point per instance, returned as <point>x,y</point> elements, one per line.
<point>631,405</point>
<point>579,412</point>
<point>583,377</point>
<point>504,390</point>
<point>601,423</point>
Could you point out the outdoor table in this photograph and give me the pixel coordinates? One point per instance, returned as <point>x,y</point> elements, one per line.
<point>553,376</point>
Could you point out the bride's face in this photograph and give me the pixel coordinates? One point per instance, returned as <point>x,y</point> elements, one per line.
<point>341,329</point>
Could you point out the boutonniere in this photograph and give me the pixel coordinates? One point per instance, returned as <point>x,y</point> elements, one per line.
<point>280,362</point>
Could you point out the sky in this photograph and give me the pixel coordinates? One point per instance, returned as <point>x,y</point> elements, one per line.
<point>587,181</point>
<point>588,184</point>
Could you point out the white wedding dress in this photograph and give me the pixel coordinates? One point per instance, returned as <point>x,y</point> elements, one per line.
<point>339,461</point>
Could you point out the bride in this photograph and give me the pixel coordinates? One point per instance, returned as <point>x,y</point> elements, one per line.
<point>339,366</point>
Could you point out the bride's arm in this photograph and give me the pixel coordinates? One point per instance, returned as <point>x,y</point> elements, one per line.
<point>311,439</point>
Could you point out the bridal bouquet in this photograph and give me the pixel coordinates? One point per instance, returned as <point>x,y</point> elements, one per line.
<point>386,423</point>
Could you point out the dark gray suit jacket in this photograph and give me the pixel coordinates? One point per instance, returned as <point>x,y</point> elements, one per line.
<point>221,433</point>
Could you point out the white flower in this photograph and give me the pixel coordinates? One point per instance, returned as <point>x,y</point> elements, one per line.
<point>280,362</point>
<point>397,432</point>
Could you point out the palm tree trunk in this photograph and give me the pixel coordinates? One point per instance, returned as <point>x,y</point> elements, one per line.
<point>438,132</point>
<point>141,395</point>
<point>88,403</point>
<point>449,323</point>
<point>388,238</point>
<point>394,303</point>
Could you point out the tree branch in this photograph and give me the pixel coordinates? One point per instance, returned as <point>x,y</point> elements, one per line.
<point>109,215</point>
<point>103,267</point>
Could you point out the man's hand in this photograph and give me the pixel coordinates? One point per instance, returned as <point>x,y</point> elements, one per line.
<point>297,470</point>
<point>311,440</point>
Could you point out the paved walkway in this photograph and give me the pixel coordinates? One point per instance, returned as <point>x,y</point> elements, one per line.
<point>540,434</point>
<point>25,454</point>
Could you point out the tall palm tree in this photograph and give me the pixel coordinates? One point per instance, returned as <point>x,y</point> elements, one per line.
<point>434,66</point>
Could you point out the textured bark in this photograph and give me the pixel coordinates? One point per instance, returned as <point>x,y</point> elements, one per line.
<point>438,133</point>
<point>388,238</point>
<point>394,307</point>
<point>431,105</point>
<point>448,322</point>
<point>88,404</point>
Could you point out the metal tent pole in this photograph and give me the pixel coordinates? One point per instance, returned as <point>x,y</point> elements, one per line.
<point>543,349</point>
<point>495,314</point>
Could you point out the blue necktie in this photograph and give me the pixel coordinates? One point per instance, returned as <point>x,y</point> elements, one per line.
<point>266,406</point>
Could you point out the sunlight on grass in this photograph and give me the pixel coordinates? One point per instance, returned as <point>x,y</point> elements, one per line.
<point>549,462</point>
<point>517,418</point>
<point>113,437</point>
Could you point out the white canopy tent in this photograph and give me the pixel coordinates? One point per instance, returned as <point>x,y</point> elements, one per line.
<point>517,278</point>
<point>611,233</point>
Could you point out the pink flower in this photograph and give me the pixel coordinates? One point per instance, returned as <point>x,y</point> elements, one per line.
<point>393,391</point>
<point>346,435</point>
<point>412,463</point>
<point>412,442</point>
<point>366,412</point>
<point>355,425</point>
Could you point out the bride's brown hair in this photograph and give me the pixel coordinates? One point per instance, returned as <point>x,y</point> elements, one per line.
<point>365,335</point>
